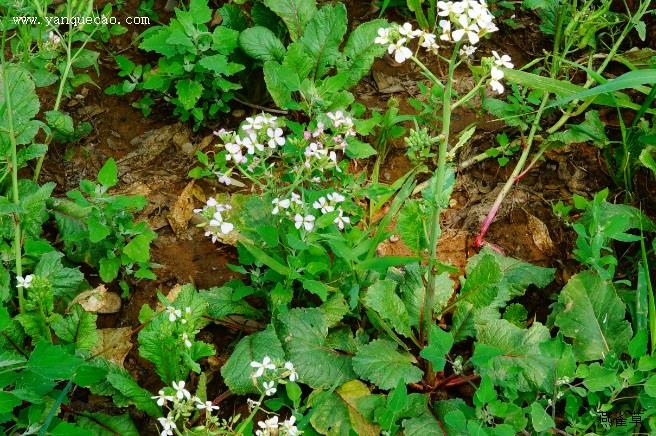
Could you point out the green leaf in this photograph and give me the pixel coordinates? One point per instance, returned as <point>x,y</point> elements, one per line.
<point>61,122</point>
<point>237,370</point>
<point>330,415</point>
<point>519,361</point>
<point>647,158</point>
<point>540,419</point>
<point>262,44</point>
<point>650,386</point>
<point>281,81</point>
<point>8,401</point>
<point>24,106</point>
<point>317,288</point>
<point>108,174</point>
<point>410,225</point>
<point>79,328</point>
<point>422,425</point>
<point>269,261</point>
<point>200,11</point>
<point>357,149</point>
<point>382,297</point>
<point>64,281</point>
<point>188,92</point>
<point>381,363</point>
<point>304,336</point>
<point>295,14</point>
<point>322,37</point>
<point>138,249</point>
<point>53,362</point>
<point>217,63</point>
<point>221,303</point>
<point>100,424</point>
<point>109,268</point>
<point>360,51</point>
<point>439,344</point>
<point>137,395</point>
<point>591,313</point>
<point>598,378</point>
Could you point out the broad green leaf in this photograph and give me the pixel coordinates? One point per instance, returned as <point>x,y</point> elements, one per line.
<point>322,37</point>
<point>304,336</point>
<point>352,393</point>
<point>329,414</point>
<point>188,92</point>
<point>381,363</point>
<point>138,249</point>
<point>154,39</point>
<point>357,149</point>
<point>237,370</point>
<point>217,63</point>
<point>225,40</point>
<point>598,378</point>
<point>423,425</point>
<point>100,424</point>
<point>78,328</point>
<point>592,129</point>
<point>24,105</point>
<point>262,44</point>
<point>295,14</point>
<point>647,158</point>
<point>591,313</point>
<point>8,401</point>
<point>439,344</point>
<point>540,419</point>
<point>317,287</point>
<point>53,362</point>
<point>221,303</point>
<point>108,174</point>
<point>382,297</point>
<point>360,51</point>
<point>519,361</point>
<point>334,310</point>
<point>200,11</point>
<point>61,122</point>
<point>410,225</point>
<point>137,395</point>
<point>65,281</point>
<point>650,386</point>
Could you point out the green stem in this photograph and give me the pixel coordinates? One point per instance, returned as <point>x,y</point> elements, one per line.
<point>469,95</point>
<point>14,176</point>
<point>242,426</point>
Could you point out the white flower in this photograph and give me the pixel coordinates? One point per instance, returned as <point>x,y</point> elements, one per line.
<point>428,42</point>
<point>252,124</point>
<point>223,178</point>
<point>275,136</point>
<point>180,390</point>
<point>162,398</point>
<point>207,405</point>
<point>261,367</point>
<point>401,52</point>
<point>502,61</point>
<point>383,36</point>
<point>293,375</point>
<point>495,83</point>
<point>467,28</point>
<point>211,202</point>
<point>341,220</point>
<point>296,198</point>
<point>280,204</point>
<point>467,50</point>
<point>185,339</point>
<point>306,221</point>
<point>168,425</point>
<point>252,404</point>
<point>234,153</point>
<point>323,205</point>
<point>24,282</point>
<point>446,30</point>
<point>335,197</point>
<point>269,388</point>
<point>269,427</point>
<point>173,313</point>
<point>289,427</point>
<point>406,31</point>
<point>54,38</point>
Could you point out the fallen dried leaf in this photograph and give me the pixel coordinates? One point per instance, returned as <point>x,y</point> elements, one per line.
<point>114,344</point>
<point>540,234</point>
<point>98,300</point>
<point>182,210</point>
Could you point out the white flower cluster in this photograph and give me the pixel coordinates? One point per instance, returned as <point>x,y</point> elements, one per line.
<point>271,427</point>
<point>183,404</point>
<point>321,153</point>
<point>398,36</point>
<point>496,73</point>
<point>257,137</point>
<point>293,207</point>
<point>330,203</point>
<point>272,374</point>
<point>216,226</point>
<point>468,20</point>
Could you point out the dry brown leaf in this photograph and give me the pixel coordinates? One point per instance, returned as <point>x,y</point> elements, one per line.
<point>98,300</point>
<point>114,344</point>
<point>171,296</point>
<point>182,210</point>
<point>540,234</point>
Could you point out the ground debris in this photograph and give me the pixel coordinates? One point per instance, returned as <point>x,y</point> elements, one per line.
<point>98,300</point>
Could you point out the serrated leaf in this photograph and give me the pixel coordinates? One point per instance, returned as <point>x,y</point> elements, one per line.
<point>200,11</point>
<point>422,425</point>
<point>53,362</point>
<point>100,424</point>
<point>382,297</point>
<point>78,327</point>
<point>304,338</point>
<point>262,44</point>
<point>410,225</point>
<point>521,362</point>
<point>237,371</point>
<point>540,419</point>
<point>188,92</point>
<point>24,106</point>
<point>330,415</point>
<point>221,304</point>
<point>65,281</point>
<point>360,51</point>
<point>322,37</point>
<point>295,14</point>
<point>138,249</point>
<point>439,344</point>
<point>381,363</point>
<point>592,314</point>
<point>137,395</point>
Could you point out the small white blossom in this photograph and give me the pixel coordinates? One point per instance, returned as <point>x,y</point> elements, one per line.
<point>269,388</point>
<point>262,367</point>
<point>280,204</point>
<point>252,404</point>
<point>275,137</point>
<point>495,82</point>
<point>207,405</point>
<point>293,375</point>
<point>162,398</point>
<point>467,50</point>
<point>185,339</point>
<point>268,427</point>
<point>53,38</point>
<point>306,221</point>
<point>407,31</point>
<point>289,427</point>
<point>324,205</point>
<point>173,313</point>
<point>383,37</point>
<point>223,178</point>
<point>180,390</point>
<point>502,61</point>
<point>400,51</point>
<point>168,425</point>
<point>341,220</point>
<point>24,282</point>
<point>335,197</point>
